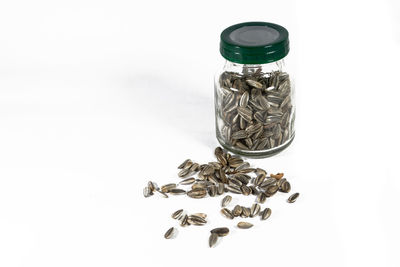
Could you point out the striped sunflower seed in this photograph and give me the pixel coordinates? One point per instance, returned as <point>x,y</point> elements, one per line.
<point>271,190</point>
<point>183,164</point>
<point>200,214</point>
<point>226,200</point>
<point>245,212</point>
<point>285,187</point>
<point>234,189</point>
<point>147,192</point>
<point>244,225</point>
<point>197,193</point>
<point>227,213</point>
<point>212,190</point>
<point>237,210</point>
<point>254,84</point>
<point>183,172</point>
<point>195,167</point>
<point>177,191</point>
<point>265,213</point>
<point>220,231</point>
<point>187,181</point>
<point>196,220</point>
<point>261,197</point>
<point>184,220</point>
<point>293,198</point>
<point>165,188</point>
<point>254,210</point>
<point>177,214</point>
<point>152,185</point>
<point>170,233</point>
<point>212,240</point>
<point>220,188</point>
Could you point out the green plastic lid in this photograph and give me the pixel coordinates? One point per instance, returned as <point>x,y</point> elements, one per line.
<point>254,43</point>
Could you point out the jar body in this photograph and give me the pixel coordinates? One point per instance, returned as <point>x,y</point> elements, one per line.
<point>254,108</point>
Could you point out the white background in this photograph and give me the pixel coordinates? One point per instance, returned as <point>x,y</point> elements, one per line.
<point>98,97</point>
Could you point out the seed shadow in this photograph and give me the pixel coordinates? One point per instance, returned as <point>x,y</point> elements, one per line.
<point>175,103</point>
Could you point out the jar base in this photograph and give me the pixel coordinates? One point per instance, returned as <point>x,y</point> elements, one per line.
<point>256,153</point>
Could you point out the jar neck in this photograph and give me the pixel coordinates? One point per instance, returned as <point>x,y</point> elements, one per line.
<point>243,68</point>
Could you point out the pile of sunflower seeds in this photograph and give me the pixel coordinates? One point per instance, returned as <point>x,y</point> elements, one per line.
<point>229,174</point>
<point>254,109</point>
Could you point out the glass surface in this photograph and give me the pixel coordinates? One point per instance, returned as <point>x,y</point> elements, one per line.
<point>254,108</point>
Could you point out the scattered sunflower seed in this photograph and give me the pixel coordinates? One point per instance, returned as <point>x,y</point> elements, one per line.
<point>231,173</point>
<point>226,200</point>
<point>212,240</point>
<point>254,210</point>
<point>244,225</point>
<point>227,213</point>
<point>177,191</point>
<point>265,213</point>
<point>169,233</point>
<point>187,181</point>
<point>177,214</point>
<point>293,198</point>
<point>221,231</point>
<point>147,192</point>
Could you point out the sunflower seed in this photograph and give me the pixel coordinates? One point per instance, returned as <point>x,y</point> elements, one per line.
<point>147,192</point>
<point>245,113</point>
<point>200,185</point>
<point>177,191</point>
<point>245,190</point>
<point>153,186</point>
<point>226,200</point>
<point>237,210</point>
<point>183,164</point>
<point>254,210</point>
<point>195,167</point>
<point>259,179</point>
<point>212,190</point>
<point>260,104</point>
<point>244,99</point>
<point>261,197</point>
<point>187,181</point>
<point>293,198</point>
<point>177,214</point>
<point>166,188</point>
<point>220,188</point>
<point>183,172</point>
<point>196,220</point>
<point>268,182</point>
<point>200,214</point>
<point>234,189</point>
<point>254,84</point>
<point>244,225</point>
<point>245,212</point>
<point>184,221</point>
<point>170,233</point>
<point>220,231</point>
<point>209,169</point>
<point>212,240</point>
<point>227,213</point>
<point>218,151</point>
<point>265,213</point>
<point>271,190</point>
<point>285,187</point>
<point>197,193</point>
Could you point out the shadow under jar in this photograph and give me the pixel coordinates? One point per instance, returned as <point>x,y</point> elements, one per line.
<point>254,94</point>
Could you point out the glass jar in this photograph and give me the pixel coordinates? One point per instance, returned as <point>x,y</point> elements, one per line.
<point>254,94</point>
